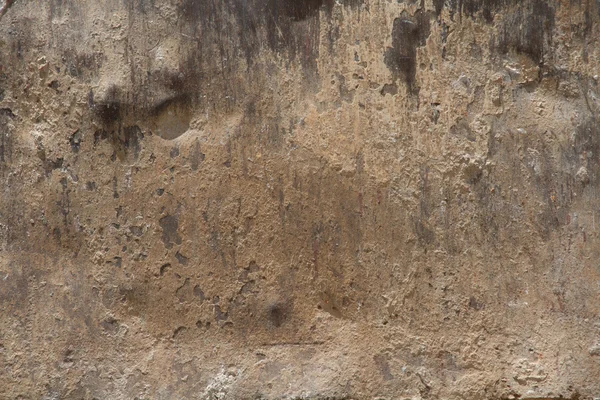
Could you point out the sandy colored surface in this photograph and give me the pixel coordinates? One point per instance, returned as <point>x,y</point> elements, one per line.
<point>310,199</point>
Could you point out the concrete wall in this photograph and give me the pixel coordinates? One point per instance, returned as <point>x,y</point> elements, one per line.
<point>299,199</point>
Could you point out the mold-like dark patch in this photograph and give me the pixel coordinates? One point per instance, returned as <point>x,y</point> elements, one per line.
<point>408,34</point>
<point>110,109</point>
<point>183,260</point>
<point>296,10</point>
<point>51,165</point>
<point>527,29</point>
<point>586,146</point>
<point>277,314</point>
<point>169,117</point>
<point>290,26</point>
<point>170,236</point>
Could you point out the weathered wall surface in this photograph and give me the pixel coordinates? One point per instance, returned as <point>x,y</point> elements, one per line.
<point>248,199</point>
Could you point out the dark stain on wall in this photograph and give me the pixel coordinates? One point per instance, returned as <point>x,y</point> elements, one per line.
<point>527,29</point>
<point>472,8</point>
<point>526,26</point>
<point>170,236</point>
<point>408,34</point>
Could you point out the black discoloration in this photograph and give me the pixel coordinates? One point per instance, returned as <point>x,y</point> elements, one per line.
<point>526,26</point>
<point>111,108</point>
<point>408,34</point>
<point>527,29</point>
<point>290,26</point>
<point>179,331</point>
<point>296,10</point>
<point>170,236</point>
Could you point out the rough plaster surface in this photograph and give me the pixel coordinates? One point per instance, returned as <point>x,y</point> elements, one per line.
<point>299,199</point>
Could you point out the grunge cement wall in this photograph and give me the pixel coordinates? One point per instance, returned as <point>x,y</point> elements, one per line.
<point>299,199</point>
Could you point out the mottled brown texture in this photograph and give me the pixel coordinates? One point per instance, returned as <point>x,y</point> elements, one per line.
<point>310,199</point>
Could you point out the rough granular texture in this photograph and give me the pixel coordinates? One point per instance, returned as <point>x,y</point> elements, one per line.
<point>299,199</point>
